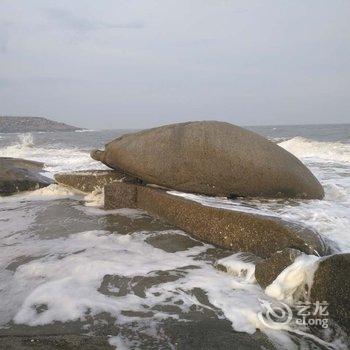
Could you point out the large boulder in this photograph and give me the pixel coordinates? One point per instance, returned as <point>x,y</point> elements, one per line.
<point>332,284</point>
<point>18,175</point>
<point>212,158</point>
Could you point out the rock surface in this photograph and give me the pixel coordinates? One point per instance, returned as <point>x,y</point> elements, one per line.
<point>90,180</point>
<point>214,334</point>
<point>234,230</point>
<point>212,158</point>
<point>18,175</point>
<point>332,284</point>
<point>267,270</point>
<point>30,124</point>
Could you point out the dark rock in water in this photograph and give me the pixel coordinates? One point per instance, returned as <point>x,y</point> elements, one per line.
<point>212,158</point>
<point>18,175</point>
<point>238,231</point>
<point>332,284</point>
<point>90,180</point>
<point>267,270</point>
<point>21,163</point>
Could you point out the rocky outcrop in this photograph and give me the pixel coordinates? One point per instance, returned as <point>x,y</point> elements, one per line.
<point>32,124</point>
<point>234,230</point>
<point>212,158</point>
<point>18,175</point>
<point>267,270</point>
<point>90,180</point>
<point>332,284</point>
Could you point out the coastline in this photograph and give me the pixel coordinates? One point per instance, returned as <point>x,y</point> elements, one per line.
<point>56,215</point>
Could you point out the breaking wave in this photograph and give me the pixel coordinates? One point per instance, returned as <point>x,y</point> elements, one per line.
<point>55,159</point>
<point>329,151</point>
<point>69,270</point>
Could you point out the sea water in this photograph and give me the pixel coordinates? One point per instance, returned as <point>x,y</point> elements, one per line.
<point>66,263</point>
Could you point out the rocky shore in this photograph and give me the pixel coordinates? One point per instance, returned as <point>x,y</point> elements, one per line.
<point>219,159</point>
<point>274,243</point>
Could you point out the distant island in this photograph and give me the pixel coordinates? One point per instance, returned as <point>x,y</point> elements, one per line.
<point>32,124</point>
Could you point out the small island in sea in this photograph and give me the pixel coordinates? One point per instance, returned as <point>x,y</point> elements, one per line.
<point>9,124</point>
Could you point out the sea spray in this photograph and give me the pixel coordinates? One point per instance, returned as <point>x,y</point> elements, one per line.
<point>56,159</point>
<point>28,238</point>
<point>327,151</point>
<point>294,282</point>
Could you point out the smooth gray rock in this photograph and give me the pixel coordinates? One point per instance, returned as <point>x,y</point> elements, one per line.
<point>212,158</point>
<point>18,175</point>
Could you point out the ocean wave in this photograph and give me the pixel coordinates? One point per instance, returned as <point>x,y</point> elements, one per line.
<point>329,151</point>
<point>55,159</point>
<point>49,193</point>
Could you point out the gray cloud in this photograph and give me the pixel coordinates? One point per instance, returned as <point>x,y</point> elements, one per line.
<point>85,61</point>
<point>76,22</point>
<point>5,83</point>
<point>4,35</point>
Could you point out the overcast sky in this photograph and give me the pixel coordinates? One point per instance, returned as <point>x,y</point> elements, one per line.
<point>140,63</point>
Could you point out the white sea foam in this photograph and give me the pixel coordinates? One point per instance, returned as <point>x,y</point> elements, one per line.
<point>130,213</point>
<point>48,193</point>
<point>329,151</point>
<point>75,278</point>
<point>239,266</point>
<point>223,203</point>
<point>292,281</point>
<point>95,199</point>
<point>55,159</point>
<point>65,273</point>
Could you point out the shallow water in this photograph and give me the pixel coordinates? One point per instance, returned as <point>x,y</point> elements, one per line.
<point>69,266</point>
